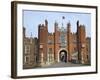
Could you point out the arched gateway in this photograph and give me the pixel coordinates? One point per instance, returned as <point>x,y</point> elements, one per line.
<point>62,55</point>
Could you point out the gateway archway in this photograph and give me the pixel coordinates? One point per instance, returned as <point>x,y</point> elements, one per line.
<point>63,56</point>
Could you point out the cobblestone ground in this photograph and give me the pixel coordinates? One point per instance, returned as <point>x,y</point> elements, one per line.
<point>63,64</point>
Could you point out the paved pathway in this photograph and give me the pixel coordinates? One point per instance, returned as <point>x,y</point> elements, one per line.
<point>62,64</point>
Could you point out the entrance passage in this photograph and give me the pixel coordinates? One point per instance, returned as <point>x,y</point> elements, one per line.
<point>63,56</point>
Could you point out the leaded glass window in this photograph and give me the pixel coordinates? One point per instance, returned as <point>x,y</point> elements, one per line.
<point>63,37</point>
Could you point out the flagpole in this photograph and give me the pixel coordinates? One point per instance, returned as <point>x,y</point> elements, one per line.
<point>62,21</point>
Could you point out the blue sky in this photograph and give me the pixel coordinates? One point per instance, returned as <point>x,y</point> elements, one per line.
<point>31,20</point>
